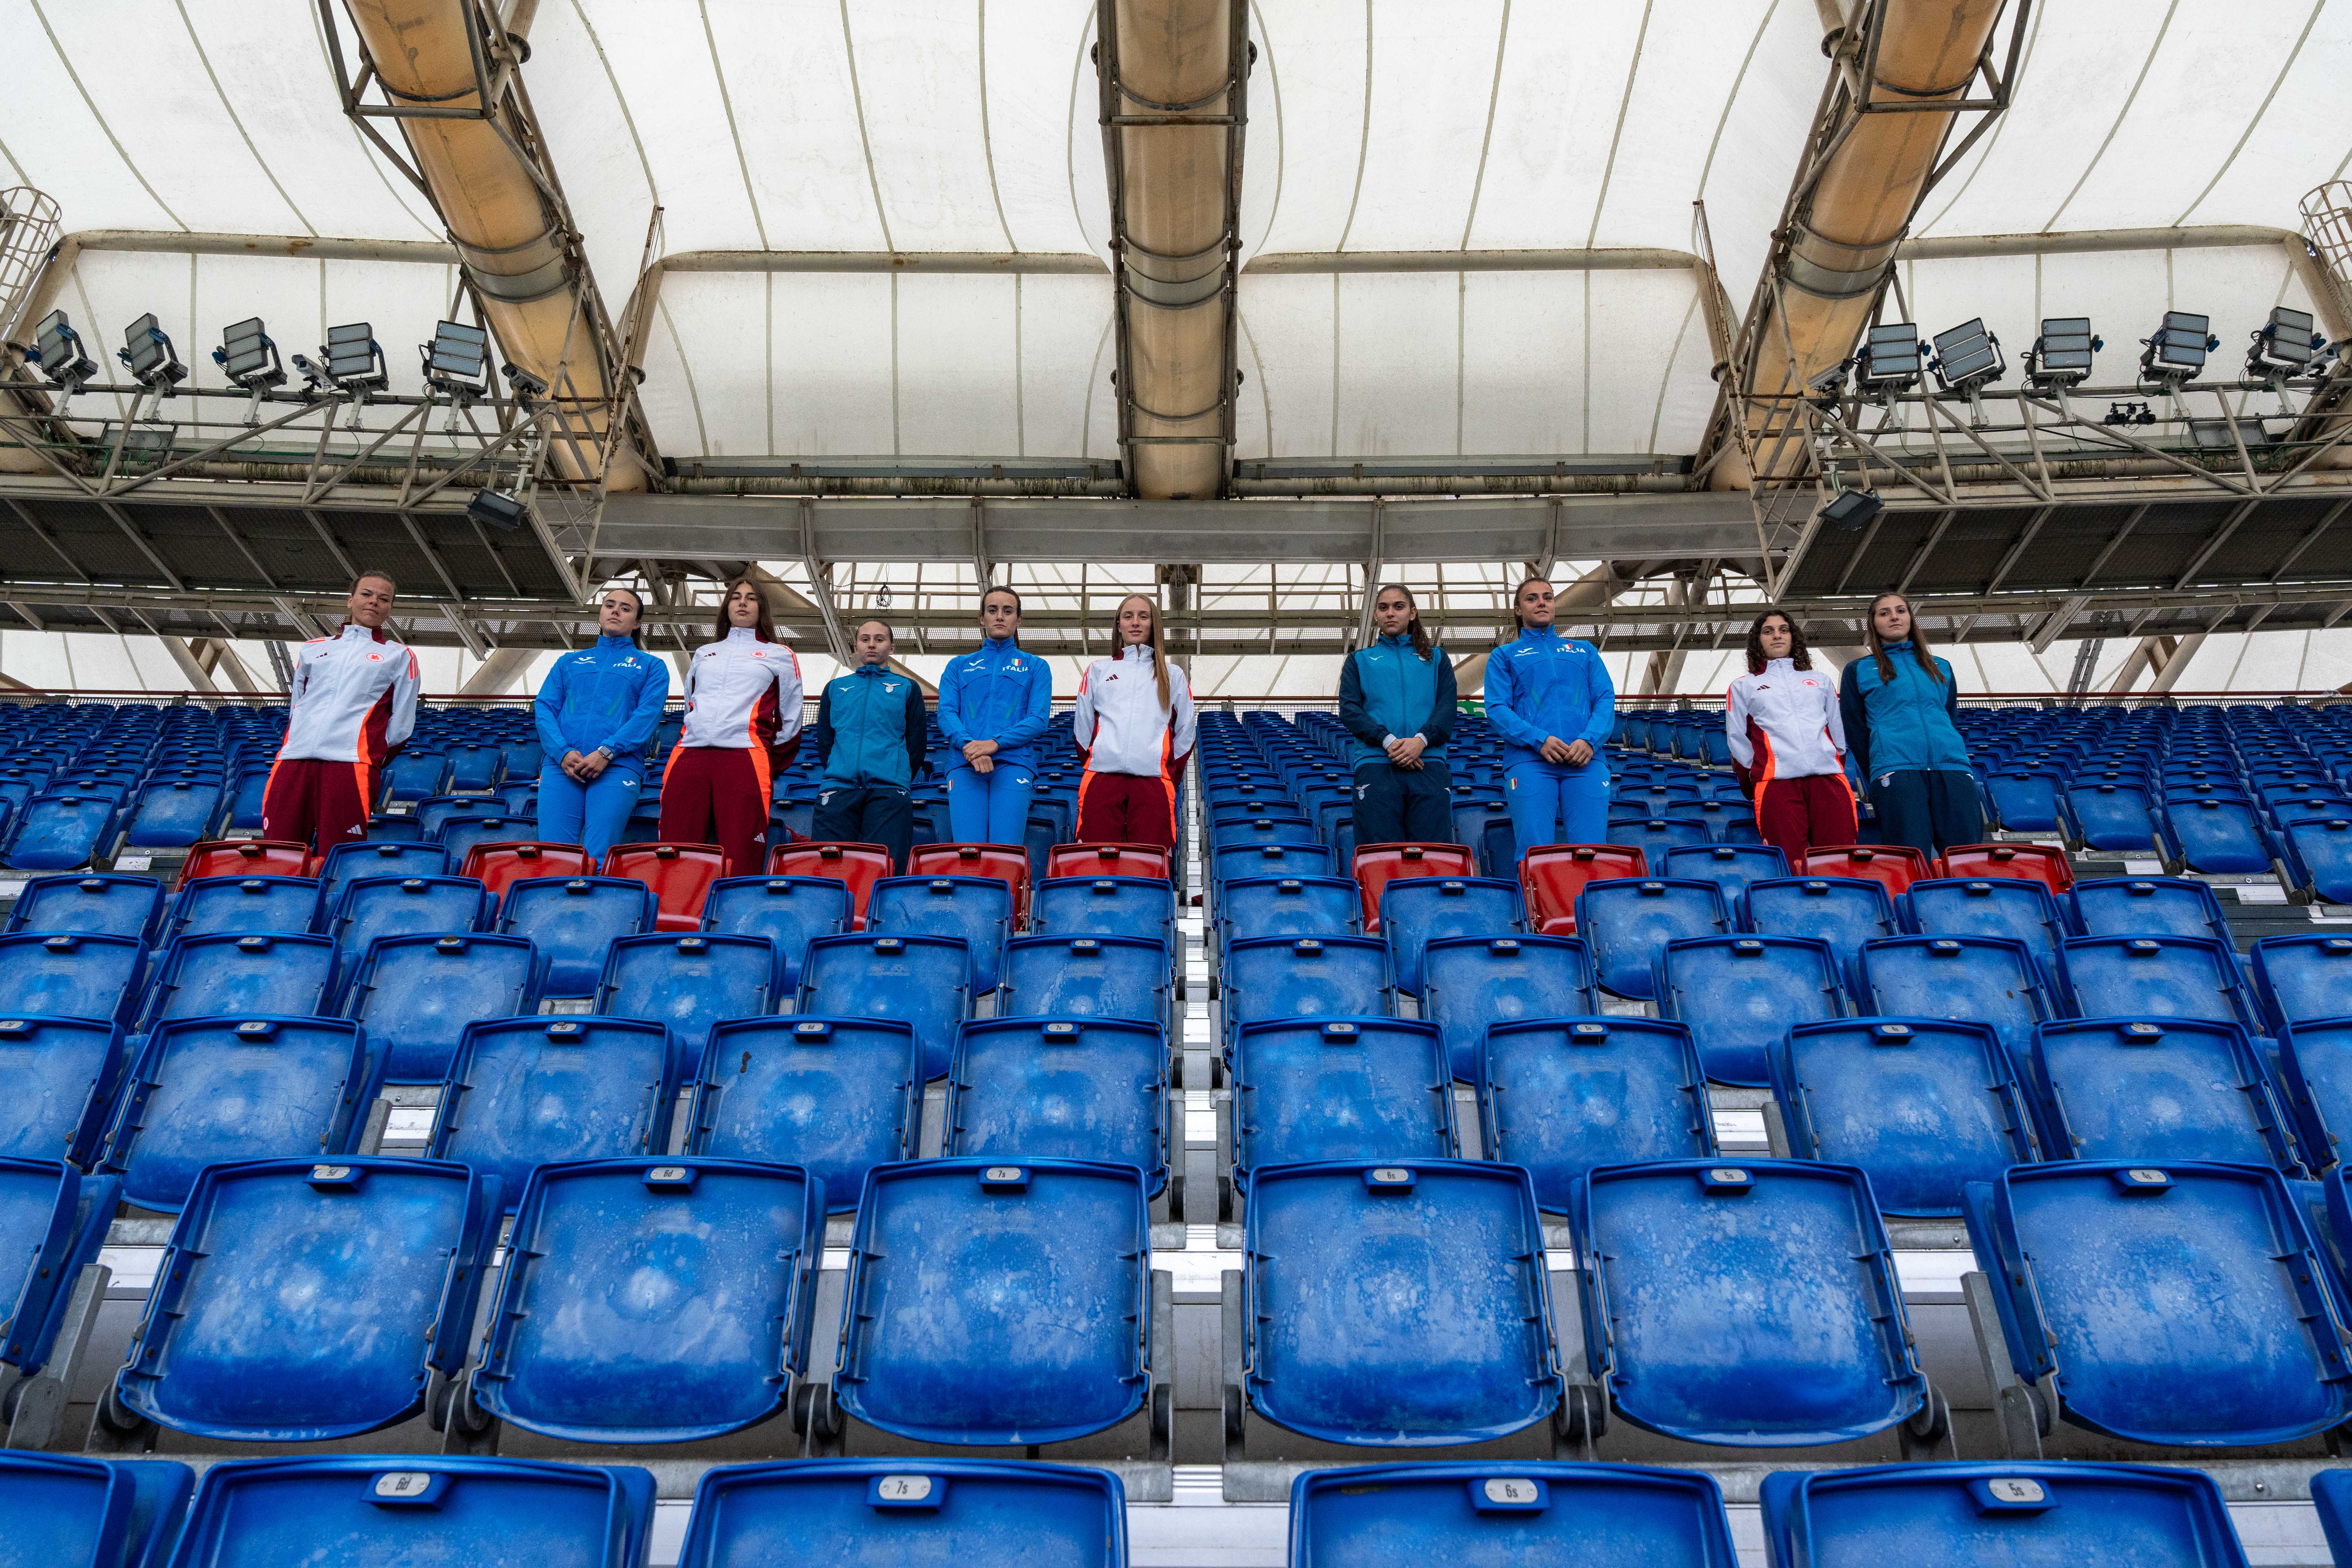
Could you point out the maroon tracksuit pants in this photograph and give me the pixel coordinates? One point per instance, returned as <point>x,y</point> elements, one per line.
<point>322,804</point>
<point>718,794</point>
<point>1126,808</point>
<point>1802,814</point>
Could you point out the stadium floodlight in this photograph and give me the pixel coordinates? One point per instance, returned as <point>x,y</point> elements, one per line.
<point>1969,356</point>
<point>147,353</point>
<point>498,510</point>
<point>2284,345</point>
<point>352,361</point>
<point>1850,511</point>
<point>56,349</point>
<point>2060,356</point>
<point>248,357</point>
<point>2175,351</point>
<point>456,361</point>
<point>1890,358</point>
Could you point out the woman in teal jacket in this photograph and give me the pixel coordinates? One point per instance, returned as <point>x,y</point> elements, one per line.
<point>993,705</point>
<point>596,712</point>
<point>1900,706</point>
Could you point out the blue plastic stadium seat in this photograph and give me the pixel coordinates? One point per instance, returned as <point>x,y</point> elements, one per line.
<point>2156,977</point>
<point>1655,836</point>
<point>53,1221</point>
<point>1843,912</point>
<point>834,1096</point>
<point>1561,1096</point>
<point>62,1510</point>
<point>1339,1089</point>
<point>1968,1516</point>
<point>1748,1303</point>
<point>787,910</point>
<point>1469,983</point>
<point>2148,906</point>
<point>2315,1077</point>
<point>243,975</point>
<point>211,905</point>
<point>2095,1268</point>
<point>1978,979</point>
<point>1738,994</point>
<point>610,1327</point>
<point>2169,1089</point>
<point>99,904</point>
<point>572,920</point>
<point>525,1092</point>
<point>1387,1361</point>
<point>415,775</point>
<point>977,1514</point>
<point>1922,1105</point>
<point>206,1091</point>
<point>374,907</point>
<point>934,1349</point>
<point>2320,849</point>
<point>58,1081</point>
<point>2026,800</point>
<point>1627,921</point>
<point>2219,838</point>
<point>1500,1513</point>
<point>1249,862</point>
<point>1305,977</point>
<point>59,831</point>
<point>460,835</point>
<point>374,1243</point>
<point>2301,978</point>
<point>977,909</point>
<point>346,863</point>
<point>689,982</point>
<point>1416,911</point>
<point>1731,867</point>
<point>2116,818</point>
<point>369,1511</point>
<point>2015,906</point>
<point>1251,907</point>
<point>416,994</point>
<point>923,981</point>
<point>1061,1089</point>
<point>1085,977</point>
<point>1108,906</point>
<point>174,814</point>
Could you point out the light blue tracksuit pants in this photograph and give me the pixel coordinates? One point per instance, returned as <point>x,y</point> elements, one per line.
<point>990,808</point>
<point>1551,802</point>
<point>591,816</point>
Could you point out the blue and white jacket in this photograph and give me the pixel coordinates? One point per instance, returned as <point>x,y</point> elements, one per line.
<point>1001,693</point>
<point>1541,685</point>
<point>869,728</point>
<point>1387,690</point>
<point>610,695</point>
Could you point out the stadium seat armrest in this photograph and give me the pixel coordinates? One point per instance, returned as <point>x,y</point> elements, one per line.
<point>1234,1369</point>
<point>1163,1363</point>
<point>2024,1415</point>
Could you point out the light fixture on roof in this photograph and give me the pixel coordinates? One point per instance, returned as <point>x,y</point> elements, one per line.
<point>2060,356</point>
<point>498,510</point>
<point>1890,358</point>
<point>1969,356</point>
<point>1850,511</point>
<point>2283,347</point>
<point>56,349</point>
<point>147,353</point>
<point>2176,353</point>
<point>457,363</point>
<point>248,357</point>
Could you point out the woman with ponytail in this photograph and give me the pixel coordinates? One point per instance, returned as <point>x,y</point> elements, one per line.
<point>1134,726</point>
<point>1902,707</point>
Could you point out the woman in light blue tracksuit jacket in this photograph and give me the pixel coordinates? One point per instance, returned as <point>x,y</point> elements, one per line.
<point>993,705</point>
<point>1553,701</point>
<point>596,712</point>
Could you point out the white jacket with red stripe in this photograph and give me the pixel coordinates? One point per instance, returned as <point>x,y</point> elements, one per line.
<point>741,692</point>
<point>1119,724</point>
<point>352,699</point>
<point>1785,724</point>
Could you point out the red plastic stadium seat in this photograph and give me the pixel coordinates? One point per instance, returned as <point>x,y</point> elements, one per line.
<point>859,865</point>
<point>1553,875</point>
<point>246,857</point>
<point>1009,863</point>
<point>1378,864</point>
<point>2044,863</point>
<point>1106,861</point>
<point>1897,865</point>
<point>679,874</point>
<point>502,863</point>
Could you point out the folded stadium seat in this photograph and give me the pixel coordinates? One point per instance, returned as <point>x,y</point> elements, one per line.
<point>2026,800</point>
<point>242,974</point>
<point>1731,867</point>
<point>1385,1361</point>
<point>2040,863</point>
<point>1551,877</point>
<point>2148,906</point>
<point>70,976</point>
<point>1085,977</point>
<point>412,776</point>
<point>416,994</point>
<point>1254,862</point>
<point>373,1243</point>
<point>680,876</point>
<point>2013,907</point>
<point>1304,977</point>
<point>2156,977</point>
<point>59,832</point>
<point>461,835</point>
<point>213,904</point>
<point>499,865</point>
<point>859,866</point>
<point>1063,1088</point>
<point>572,920</point>
<point>1657,835</point>
<point>1754,1305</point>
<point>2093,1268</point>
<point>978,909</point>
<point>525,1092</point>
<point>246,857</point>
<point>1561,1096</point>
<point>1627,923</point>
<point>520,799</point>
<point>984,1513</point>
<point>1519,1511</point>
<point>522,757</point>
<point>366,1509</point>
<point>1107,861</point>
<point>924,981</point>
<point>2218,837</point>
<point>372,907</point>
<point>173,814</point>
<point>1980,979</point>
<point>1260,821</point>
<point>2318,852</point>
<point>346,863</point>
<point>1375,866</point>
<point>1476,822</point>
<point>1416,910</point>
<point>1470,982</point>
<point>206,1091</point>
<point>834,1096</point>
<point>59,1081</point>
<point>795,814</point>
<point>2182,1088</point>
<point>689,982</point>
<point>247,792</point>
<point>2313,1073</point>
<point>1113,906</point>
<point>1252,907</point>
<point>98,904</point>
<point>934,1350</point>
<point>2115,818</point>
<point>64,1509</point>
<point>1739,994</point>
<point>2300,979</point>
<point>474,765</point>
<point>1922,1105</point>
<point>1948,1516</point>
<point>1897,865</point>
<point>53,1220</point>
<point>1306,1090</point>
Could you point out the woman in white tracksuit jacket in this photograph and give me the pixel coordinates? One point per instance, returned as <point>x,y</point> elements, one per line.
<point>1788,742</point>
<point>1134,726</point>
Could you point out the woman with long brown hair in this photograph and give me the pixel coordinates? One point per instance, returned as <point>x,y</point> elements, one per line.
<point>742,725</point>
<point>1134,726</point>
<point>1788,741</point>
<point>1901,706</point>
<point>1397,699</point>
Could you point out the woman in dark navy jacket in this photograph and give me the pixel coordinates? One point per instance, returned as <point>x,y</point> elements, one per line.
<point>1901,705</point>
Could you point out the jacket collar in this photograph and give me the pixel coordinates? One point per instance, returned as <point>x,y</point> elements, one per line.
<point>1140,653</point>
<point>1780,667</point>
<point>742,635</point>
<point>1539,634</point>
<point>617,640</point>
<point>873,671</point>
<point>1402,639</point>
<point>353,629</point>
